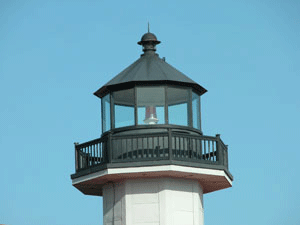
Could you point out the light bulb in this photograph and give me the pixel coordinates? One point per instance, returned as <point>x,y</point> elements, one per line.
<point>150,117</point>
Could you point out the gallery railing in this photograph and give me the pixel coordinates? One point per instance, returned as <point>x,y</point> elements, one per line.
<point>151,147</point>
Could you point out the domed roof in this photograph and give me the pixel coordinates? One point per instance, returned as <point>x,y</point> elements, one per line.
<point>148,37</point>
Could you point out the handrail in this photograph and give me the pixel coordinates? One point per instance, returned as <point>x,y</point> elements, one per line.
<point>90,142</point>
<point>152,126</point>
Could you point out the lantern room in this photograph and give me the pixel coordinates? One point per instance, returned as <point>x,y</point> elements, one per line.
<point>150,92</point>
<point>146,104</point>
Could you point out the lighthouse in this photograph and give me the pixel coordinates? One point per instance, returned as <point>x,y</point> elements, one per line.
<point>152,163</point>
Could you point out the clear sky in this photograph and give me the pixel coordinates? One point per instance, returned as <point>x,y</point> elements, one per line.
<point>55,54</point>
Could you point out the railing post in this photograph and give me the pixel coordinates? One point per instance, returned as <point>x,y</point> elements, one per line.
<point>76,157</point>
<point>220,151</point>
<point>109,148</point>
<point>170,144</point>
<point>226,157</point>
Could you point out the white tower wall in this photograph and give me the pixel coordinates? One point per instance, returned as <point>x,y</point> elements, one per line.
<point>157,201</point>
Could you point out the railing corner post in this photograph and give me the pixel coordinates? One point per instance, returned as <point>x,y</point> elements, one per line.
<point>220,152</point>
<point>226,158</point>
<point>76,156</point>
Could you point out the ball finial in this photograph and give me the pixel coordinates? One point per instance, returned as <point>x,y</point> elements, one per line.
<point>149,41</point>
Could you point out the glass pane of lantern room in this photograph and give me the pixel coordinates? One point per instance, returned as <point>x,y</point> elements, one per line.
<point>178,106</point>
<point>124,108</point>
<point>151,103</point>
<point>105,113</point>
<point>196,110</point>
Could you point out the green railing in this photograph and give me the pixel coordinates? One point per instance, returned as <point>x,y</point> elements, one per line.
<point>167,145</point>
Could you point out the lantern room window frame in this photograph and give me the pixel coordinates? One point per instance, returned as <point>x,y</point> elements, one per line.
<point>190,111</point>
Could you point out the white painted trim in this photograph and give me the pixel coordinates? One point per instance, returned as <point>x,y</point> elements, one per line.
<point>90,176</point>
<point>149,169</point>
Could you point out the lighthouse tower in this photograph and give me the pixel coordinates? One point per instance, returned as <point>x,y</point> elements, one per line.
<point>152,163</point>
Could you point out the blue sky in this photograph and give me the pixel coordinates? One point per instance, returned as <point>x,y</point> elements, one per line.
<point>55,54</point>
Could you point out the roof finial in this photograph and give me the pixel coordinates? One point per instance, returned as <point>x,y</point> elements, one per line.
<point>148,41</point>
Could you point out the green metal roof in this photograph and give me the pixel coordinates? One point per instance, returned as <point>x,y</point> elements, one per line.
<point>149,69</point>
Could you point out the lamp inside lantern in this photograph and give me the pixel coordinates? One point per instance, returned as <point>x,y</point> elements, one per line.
<point>150,103</point>
<point>150,117</point>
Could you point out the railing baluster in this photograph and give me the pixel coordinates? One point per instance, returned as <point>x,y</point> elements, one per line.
<point>197,148</point>
<point>187,147</point>
<point>131,148</point>
<point>209,150</point>
<point>125,141</point>
<point>170,144</point>
<point>184,140</point>
<point>86,157</point>
<point>215,152</point>
<point>137,148</point>
<point>153,148</point>
<point>201,149</point>
<point>175,146</point>
<point>205,156</point>
<point>94,153</point>
<point>180,152</point>
<point>159,146</point>
<point>89,155</point>
<point>147,148</point>
<point>142,148</point>
<point>95,158</point>
<point>101,152</point>
<point>95,150</point>
<point>178,146</point>
<point>194,148</point>
<point>190,147</point>
<point>98,153</point>
<point>163,146</point>
<point>212,150</point>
